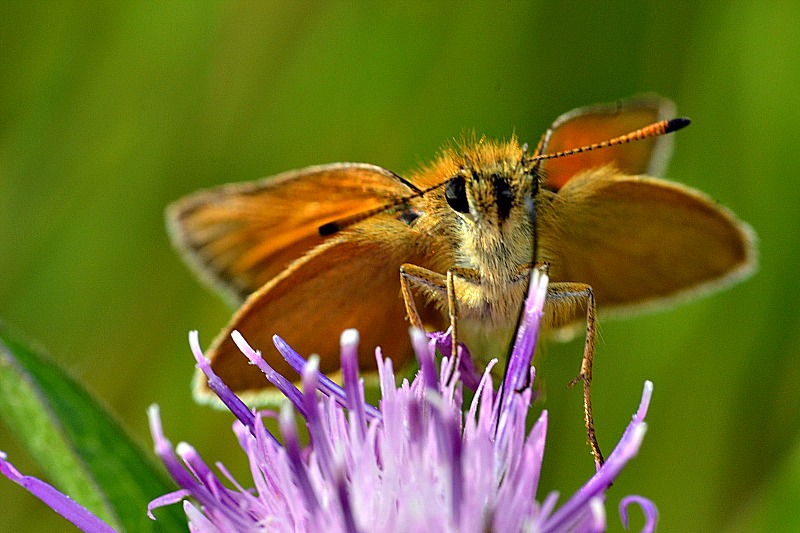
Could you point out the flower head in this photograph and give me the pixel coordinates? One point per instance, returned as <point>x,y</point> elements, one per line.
<point>418,462</point>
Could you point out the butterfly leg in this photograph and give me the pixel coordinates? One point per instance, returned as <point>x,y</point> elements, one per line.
<point>437,286</point>
<point>471,276</point>
<point>567,296</point>
<point>434,282</point>
<point>452,308</point>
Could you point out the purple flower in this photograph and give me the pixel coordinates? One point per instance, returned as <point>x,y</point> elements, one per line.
<point>419,462</point>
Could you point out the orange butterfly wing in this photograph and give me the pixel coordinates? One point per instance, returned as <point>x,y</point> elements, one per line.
<point>351,281</point>
<point>588,125</point>
<point>239,236</point>
<point>262,239</point>
<point>639,241</point>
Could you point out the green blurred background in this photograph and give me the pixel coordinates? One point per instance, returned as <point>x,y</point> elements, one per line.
<point>110,111</point>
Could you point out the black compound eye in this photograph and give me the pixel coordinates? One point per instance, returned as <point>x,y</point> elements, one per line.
<point>456,194</point>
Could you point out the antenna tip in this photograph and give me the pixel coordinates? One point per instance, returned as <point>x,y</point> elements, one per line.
<point>328,229</point>
<point>677,123</point>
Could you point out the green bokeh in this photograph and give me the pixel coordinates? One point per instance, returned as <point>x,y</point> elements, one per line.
<point>110,111</point>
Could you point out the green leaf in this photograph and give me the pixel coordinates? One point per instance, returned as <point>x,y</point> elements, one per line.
<point>83,449</point>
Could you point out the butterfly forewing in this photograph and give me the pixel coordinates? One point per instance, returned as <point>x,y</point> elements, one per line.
<point>240,236</point>
<point>594,124</point>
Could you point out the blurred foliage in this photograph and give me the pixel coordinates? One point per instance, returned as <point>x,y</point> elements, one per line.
<point>110,111</point>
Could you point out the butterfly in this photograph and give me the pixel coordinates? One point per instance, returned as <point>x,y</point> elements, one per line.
<point>311,252</point>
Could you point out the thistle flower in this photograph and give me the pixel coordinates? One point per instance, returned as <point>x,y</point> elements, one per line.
<point>418,462</point>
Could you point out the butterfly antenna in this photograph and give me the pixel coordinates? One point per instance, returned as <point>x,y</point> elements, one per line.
<point>342,223</point>
<point>656,129</point>
<point>521,161</point>
<point>468,163</point>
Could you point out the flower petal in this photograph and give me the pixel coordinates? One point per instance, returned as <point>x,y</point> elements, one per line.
<point>58,501</point>
<point>215,383</point>
<point>625,450</point>
<point>648,507</point>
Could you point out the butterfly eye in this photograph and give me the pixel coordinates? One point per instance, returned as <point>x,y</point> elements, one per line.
<point>456,194</point>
